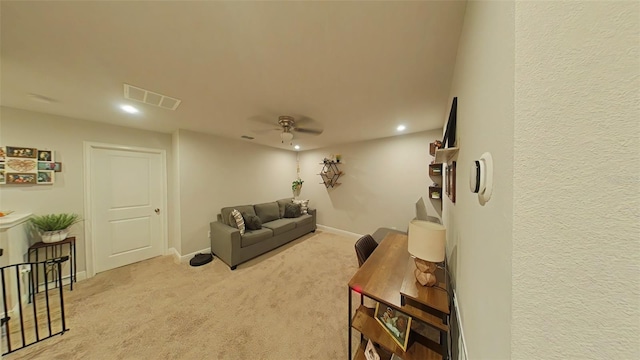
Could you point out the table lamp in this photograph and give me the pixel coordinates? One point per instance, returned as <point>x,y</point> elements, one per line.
<point>427,245</point>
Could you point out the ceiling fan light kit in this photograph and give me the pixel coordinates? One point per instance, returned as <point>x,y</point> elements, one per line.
<point>286,137</point>
<point>288,126</point>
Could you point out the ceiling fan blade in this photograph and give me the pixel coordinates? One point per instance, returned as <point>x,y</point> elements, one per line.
<point>304,121</point>
<point>264,131</point>
<point>308,131</point>
<point>264,120</point>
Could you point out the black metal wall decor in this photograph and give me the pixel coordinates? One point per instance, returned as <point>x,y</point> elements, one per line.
<point>449,139</point>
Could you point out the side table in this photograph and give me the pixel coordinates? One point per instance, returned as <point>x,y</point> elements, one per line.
<point>51,251</point>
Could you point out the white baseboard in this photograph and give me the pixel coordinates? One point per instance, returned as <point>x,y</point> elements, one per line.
<point>80,275</point>
<point>462,343</point>
<point>174,253</point>
<point>181,259</point>
<point>338,231</point>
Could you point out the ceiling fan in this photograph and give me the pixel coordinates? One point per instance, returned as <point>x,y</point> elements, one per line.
<point>289,126</point>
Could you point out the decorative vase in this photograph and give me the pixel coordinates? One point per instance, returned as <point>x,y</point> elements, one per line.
<point>296,190</point>
<point>54,236</point>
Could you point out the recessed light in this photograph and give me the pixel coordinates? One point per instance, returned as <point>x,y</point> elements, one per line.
<point>297,147</point>
<point>130,109</point>
<point>401,127</point>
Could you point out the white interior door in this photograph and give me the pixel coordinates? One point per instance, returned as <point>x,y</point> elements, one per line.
<point>127,194</point>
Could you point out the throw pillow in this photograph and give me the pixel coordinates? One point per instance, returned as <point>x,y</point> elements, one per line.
<point>292,210</point>
<point>252,221</point>
<point>304,205</point>
<point>236,219</point>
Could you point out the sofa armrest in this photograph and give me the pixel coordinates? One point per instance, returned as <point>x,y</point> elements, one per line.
<point>313,212</point>
<point>225,242</point>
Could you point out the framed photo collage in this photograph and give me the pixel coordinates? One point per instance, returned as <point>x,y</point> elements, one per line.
<point>27,166</point>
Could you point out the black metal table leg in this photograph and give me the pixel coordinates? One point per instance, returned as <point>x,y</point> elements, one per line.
<point>75,263</point>
<point>349,340</point>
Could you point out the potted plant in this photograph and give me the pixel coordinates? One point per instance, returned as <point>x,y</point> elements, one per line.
<point>296,186</point>
<point>54,227</point>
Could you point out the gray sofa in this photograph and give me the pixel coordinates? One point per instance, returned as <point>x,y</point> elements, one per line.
<point>233,248</point>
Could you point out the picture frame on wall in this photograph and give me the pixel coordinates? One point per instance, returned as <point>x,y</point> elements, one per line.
<point>45,177</point>
<point>45,155</point>
<point>451,181</point>
<point>20,178</point>
<point>21,152</point>
<point>45,166</point>
<point>22,165</point>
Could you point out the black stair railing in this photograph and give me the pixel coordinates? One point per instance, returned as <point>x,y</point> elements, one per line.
<point>21,326</point>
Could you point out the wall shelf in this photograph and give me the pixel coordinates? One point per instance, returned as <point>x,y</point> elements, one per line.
<point>435,169</point>
<point>446,155</point>
<point>435,192</point>
<point>330,173</point>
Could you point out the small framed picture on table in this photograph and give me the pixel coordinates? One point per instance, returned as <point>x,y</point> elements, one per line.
<point>396,323</point>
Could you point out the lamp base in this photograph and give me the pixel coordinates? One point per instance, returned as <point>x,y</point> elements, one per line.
<point>425,272</point>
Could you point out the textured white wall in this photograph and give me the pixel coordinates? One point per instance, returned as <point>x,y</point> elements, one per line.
<point>576,174</point>
<point>479,236</point>
<point>215,172</point>
<point>382,181</point>
<point>65,136</point>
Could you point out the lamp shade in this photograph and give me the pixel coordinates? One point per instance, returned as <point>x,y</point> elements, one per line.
<point>427,240</point>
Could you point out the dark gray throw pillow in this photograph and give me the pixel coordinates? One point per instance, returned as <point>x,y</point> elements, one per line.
<point>292,210</point>
<point>251,222</point>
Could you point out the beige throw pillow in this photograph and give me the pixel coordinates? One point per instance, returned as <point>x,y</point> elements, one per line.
<point>304,205</point>
<point>236,219</point>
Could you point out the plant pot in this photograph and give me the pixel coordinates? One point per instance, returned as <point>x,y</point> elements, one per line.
<point>296,190</point>
<point>54,236</point>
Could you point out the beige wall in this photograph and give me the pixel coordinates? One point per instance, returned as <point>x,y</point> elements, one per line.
<point>215,172</point>
<point>576,228</point>
<point>382,181</point>
<point>65,136</point>
<point>561,120</point>
<point>479,236</point>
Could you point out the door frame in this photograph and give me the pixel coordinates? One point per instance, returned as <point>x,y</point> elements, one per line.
<point>88,188</point>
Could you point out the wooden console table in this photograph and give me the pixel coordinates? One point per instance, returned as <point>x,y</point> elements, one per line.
<point>382,278</point>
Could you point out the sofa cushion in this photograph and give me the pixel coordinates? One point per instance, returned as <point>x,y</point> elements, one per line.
<point>304,205</point>
<point>252,222</point>
<point>292,210</point>
<point>242,208</point>
<point>303,220</point>
<point>252,237</point>
<point>236,220</point>
<point>281,205</point>
<point>280,226</point>
<point>267,211</point>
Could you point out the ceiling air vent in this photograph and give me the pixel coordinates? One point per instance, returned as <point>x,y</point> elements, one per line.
<point>149,97</point>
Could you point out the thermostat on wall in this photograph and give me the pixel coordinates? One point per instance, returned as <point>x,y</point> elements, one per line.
<point>481,177</point>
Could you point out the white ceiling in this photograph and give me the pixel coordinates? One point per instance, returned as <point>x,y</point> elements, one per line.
<point>358,68</point>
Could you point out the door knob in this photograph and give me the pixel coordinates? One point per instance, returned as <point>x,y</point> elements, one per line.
<point>157,211</point>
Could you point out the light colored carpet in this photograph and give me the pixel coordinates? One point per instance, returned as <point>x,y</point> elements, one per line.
<point>288,304</point>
